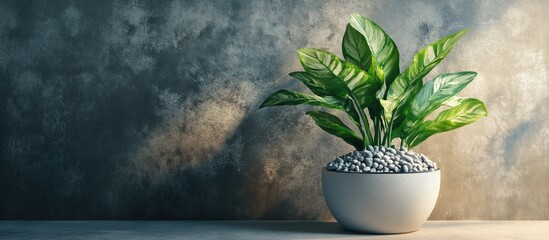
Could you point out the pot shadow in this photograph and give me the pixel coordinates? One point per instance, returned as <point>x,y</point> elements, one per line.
<point>292,226</point>
<point>305,227</point>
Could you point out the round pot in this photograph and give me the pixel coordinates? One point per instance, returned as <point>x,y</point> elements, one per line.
<point>381,202</point>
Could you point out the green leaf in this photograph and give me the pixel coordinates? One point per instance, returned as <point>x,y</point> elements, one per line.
<point>403,109</point>
<point>324,67</point>
<point>349,108</point>
<point>286,97</point>
<point>384,50</point>
<point>335,76</point>
<point>454,101</point>
<point>422,63</point>
<point>362,85</point>
<point>433,94</point>
<point>333,125</point>
<point>395,110</point>
<point>340,78</point>
<point>331,73</point>
<point>387,106</point>
<point>468,111</point>
<point>356,49</point>
<point>311,83</point>
<point>357,80</point>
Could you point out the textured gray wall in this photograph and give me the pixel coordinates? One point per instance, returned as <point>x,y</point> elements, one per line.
<point>149,109</point>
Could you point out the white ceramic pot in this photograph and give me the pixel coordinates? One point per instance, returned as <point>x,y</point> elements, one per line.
<point>381,202</point>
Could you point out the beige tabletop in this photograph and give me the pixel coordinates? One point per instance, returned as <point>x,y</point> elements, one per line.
<point>492,230</point>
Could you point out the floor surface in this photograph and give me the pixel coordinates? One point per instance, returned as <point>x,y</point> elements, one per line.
<point>205,230</point>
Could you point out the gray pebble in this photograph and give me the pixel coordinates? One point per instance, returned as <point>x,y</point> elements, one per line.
<point>385,169</point>
<point>408,158</point>
<point>375,165</point>
<point>371,148</point>
<point>384,164</point>
<point>356,161</point>
<point>391,166</point>
<point>366,169</point>
<point>379,167</point>
<point>405,168</point>
<point>373,170</point>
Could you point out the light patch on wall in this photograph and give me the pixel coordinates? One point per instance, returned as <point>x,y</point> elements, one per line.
<point>72,19</point>
<point>194,133</point>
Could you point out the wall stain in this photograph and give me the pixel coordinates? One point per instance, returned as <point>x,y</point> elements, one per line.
<point>516,139</point>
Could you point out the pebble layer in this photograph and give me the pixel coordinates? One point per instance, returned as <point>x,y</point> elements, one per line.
<point>382,160</point>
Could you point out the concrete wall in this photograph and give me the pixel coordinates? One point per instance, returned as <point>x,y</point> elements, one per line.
<point>149,109</point>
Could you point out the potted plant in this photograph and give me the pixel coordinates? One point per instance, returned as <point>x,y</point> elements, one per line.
<point>380,188</point>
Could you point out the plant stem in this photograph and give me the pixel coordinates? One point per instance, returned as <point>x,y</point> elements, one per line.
<point>388,133</point>
<point>383,140</point>
<point>376,133</point>
<point>365,129</point>
<point>358,124</point>
<point>380,130</point>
